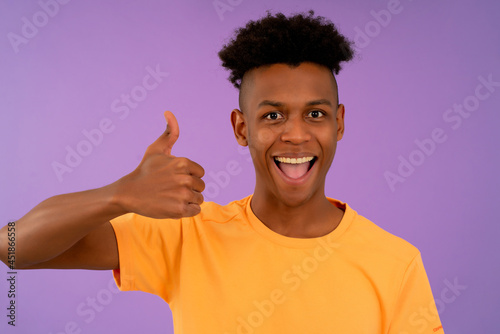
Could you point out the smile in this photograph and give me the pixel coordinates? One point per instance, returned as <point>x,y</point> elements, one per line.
<point>294,169</point>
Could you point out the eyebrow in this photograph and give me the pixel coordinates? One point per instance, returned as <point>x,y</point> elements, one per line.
<point>281,104</point>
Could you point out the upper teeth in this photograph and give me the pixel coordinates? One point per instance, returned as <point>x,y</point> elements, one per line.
<point>294,160</point>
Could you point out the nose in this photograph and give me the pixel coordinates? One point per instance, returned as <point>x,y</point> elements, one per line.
<point>296,131</point>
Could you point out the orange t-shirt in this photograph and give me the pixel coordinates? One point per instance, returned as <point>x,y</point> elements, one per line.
<point>224,271</point>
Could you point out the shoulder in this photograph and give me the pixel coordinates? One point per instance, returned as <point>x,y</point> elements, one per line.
<point>217,213</point>
<point>381,239</point>
<point>367,237</point>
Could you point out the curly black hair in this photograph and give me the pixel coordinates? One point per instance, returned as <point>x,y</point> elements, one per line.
<point>278,39</point>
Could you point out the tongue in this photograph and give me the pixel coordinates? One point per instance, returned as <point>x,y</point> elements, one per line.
<point>294,171</point>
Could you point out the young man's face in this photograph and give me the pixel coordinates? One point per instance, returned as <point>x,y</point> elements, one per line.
<point>291,122</point>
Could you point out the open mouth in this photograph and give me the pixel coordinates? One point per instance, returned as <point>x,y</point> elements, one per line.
<point>295,168</point>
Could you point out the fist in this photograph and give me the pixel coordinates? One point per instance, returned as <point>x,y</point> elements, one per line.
<point>163,186</point>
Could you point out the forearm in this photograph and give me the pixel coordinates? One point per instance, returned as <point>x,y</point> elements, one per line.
<point>56,224</point>
<point>162,186</point>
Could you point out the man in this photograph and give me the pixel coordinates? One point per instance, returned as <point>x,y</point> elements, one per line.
<point>286,259</point>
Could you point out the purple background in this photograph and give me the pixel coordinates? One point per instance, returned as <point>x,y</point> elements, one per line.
<point>408,73</point>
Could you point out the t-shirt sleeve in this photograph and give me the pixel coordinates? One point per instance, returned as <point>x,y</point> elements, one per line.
<point>415,309</point>
<point>149,252</point>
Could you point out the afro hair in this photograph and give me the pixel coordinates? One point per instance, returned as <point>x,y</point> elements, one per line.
<point>292,40</point>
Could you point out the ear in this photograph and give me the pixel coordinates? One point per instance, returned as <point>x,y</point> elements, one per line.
<point>340,121</point>
<point>239,127</point>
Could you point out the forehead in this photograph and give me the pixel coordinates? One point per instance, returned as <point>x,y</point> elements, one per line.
<point>284,83</point>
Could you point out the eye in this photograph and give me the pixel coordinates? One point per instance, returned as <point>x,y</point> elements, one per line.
<point>316,114</point>
<point>273,116</point>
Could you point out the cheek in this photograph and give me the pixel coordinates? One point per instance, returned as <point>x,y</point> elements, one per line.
<point>259,142</point>
<point>333,149</point>
<point>328,142</point>
<point>265,136</point>
<point>262,138</point>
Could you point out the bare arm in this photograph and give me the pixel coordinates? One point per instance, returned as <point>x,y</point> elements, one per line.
<point>60,223</point>
<point>73,230</point>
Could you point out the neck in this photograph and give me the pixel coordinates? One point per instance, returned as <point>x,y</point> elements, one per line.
<point>310,218</point>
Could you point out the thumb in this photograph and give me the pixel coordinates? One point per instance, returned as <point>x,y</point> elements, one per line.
<point>172,131</point>
<point>166,141</point>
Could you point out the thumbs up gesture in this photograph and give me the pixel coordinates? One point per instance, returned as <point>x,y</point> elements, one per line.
<point>163,186</point>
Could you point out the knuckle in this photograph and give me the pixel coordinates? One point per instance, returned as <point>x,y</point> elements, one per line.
<point>196,210</point>
<point>180,209</point>
<point>173,213</point>
<point>193,210</point>
<point>185,194</point>
<point>185,180</point>
<point>182,162</point>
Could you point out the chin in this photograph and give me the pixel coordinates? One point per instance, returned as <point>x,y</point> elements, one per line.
<point>293,199</point>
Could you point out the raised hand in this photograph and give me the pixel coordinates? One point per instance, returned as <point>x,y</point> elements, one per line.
<point>163,186</point>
